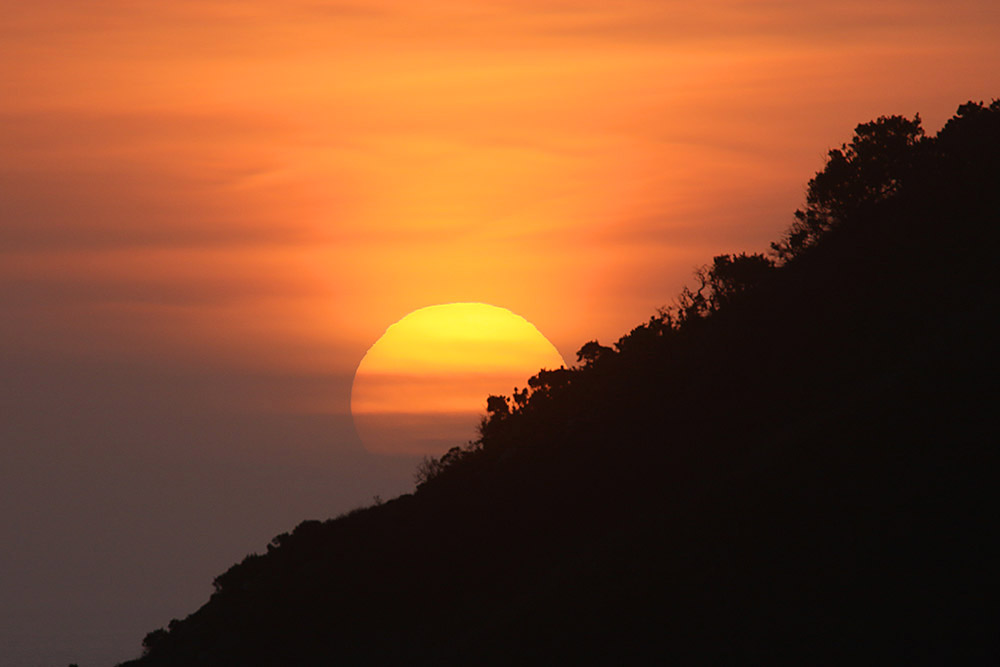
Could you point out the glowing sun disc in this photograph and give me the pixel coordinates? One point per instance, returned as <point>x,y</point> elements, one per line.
<point>422,386</point>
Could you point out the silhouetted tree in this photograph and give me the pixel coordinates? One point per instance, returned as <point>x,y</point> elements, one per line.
<point>497,411</point>
<point>592,352</point>
<point>974,125</point>
<point>428,468</point>
<point>965,160</point>
<point>546,381</point>
<point>520,397</point>
<point>646,335</point>
<point>731,276</point>
<point>870,168</point>
<point>692,304</point>
<point>726,279</point>
<point>497,406</point>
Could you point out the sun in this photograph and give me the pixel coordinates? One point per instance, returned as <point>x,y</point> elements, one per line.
<point>421,388</point>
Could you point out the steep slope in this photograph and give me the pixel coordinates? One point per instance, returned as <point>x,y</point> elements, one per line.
<point>801,466</point>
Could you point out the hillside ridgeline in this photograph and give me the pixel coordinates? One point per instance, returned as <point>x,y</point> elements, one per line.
<point>796,460</point>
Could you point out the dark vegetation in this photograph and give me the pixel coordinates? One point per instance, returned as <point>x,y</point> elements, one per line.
<point>796,461</point>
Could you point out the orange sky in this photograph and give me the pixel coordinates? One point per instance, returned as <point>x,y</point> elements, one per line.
<point>210,209</point>
<point>272,184</point>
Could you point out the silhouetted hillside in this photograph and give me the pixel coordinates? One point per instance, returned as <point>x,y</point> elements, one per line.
<point>796,461</point>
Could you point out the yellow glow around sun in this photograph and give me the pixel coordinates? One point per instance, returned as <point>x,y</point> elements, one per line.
<point>421,386</point>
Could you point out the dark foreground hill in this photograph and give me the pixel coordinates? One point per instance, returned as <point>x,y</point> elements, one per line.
<point>797,462</point>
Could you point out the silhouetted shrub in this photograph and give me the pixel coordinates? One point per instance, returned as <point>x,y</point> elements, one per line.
<point>873,166</point>
<point>592,352</point>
